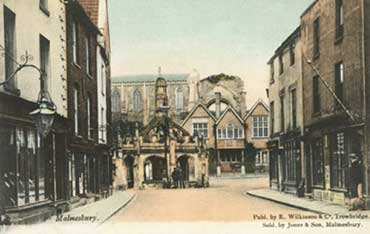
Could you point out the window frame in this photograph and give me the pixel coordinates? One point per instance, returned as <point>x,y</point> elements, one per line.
<point>316,99</point>
<point>260,126</point>
<point>75,42</point>
<point>316,38</point>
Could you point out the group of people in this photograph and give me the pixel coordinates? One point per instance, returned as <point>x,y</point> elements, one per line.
<point>178,177</point>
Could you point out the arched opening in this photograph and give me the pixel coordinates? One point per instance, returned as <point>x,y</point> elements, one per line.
<point>129,162</point>
<point>187,165</point>
<point>154,168</point>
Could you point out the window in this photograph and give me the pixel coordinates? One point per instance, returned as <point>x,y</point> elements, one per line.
<point>137,103</point>
<point>339,162</point>
<point>230,132</point>
<point>282,113</point>
<point>292,54</point>
<point>339,18</point>
<point>316,95</point>
<point>102,79</point>
<point>23,166</point>
<point>44,59</point>
<point>291,155</point>
<point>272,72</point>
<point>76,114</point>
<point>116,100</point>
<point>293,96</point>
<point>316,38</point>
<point>102,124</point>
<point>87,54</point>
<point>75,42</point>
<point>179,99</point>
<point>272,117</point>
<point>44,6</point>
<point>72,175</point>
<point>200,129</point>
<point>281,64</point>
<point>339,80</point>
<point>260,128</point>
<point>10,48</point>
<point>318,162</point>
<point>89,128</point>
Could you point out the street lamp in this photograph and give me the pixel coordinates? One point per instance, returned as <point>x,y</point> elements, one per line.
<point>43,116</point>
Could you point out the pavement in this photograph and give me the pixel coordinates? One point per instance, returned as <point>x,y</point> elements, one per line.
<point>306,204</point>
<point>96,212</point>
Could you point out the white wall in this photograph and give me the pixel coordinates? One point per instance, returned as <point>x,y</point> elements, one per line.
<point>30,23</point>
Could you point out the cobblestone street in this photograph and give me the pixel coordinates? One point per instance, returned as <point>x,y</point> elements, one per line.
<point>225,201</point>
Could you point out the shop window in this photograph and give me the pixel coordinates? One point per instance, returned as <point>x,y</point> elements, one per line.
<point>318,162</point>
<point>339,162</point>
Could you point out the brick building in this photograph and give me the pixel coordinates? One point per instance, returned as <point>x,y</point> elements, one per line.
<point>89,158</point>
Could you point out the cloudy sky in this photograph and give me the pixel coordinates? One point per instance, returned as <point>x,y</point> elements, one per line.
<point>236,37</point>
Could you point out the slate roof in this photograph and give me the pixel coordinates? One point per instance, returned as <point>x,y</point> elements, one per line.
<point>92,9</point>
<point>148,77</point>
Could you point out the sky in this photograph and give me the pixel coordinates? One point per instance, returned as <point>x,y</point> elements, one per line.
<point>235,37</point>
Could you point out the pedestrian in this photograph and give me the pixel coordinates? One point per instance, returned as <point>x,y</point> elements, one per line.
<point>356,182</point>
<point>181,178</point>
<point>174,177</point>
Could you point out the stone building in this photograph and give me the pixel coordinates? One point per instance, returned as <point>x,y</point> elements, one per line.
<point>157,148</point>
<point>134,96</point>
<point>334,36</point>
<point>257,133</point>
<point>286,116</point>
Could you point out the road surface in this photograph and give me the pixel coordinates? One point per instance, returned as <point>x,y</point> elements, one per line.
<point>225,201</point>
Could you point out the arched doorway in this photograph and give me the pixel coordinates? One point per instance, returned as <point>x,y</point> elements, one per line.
<point>187,165</point>
<point>129,162</point>
<point>154,168</point>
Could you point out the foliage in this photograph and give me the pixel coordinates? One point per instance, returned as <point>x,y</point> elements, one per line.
<point>250,162</point>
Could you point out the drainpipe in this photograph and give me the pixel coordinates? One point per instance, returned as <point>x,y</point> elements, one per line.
<point>218,104</point>
<point>364,114</point>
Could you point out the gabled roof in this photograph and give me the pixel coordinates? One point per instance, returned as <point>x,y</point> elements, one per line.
<point>149,77</point>
<point>199,105</point>
<point>259,101</point>
<point>230,108</point>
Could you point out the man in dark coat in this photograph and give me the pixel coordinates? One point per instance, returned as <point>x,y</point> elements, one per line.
<point>356,176</point>
<point>181,178</point>
<point>175,177</point>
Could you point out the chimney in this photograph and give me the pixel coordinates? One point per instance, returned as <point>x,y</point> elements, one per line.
<point>218,104</point>
<point>243,106</point>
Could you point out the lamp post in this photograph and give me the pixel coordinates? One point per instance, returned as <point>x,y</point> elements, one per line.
<point>43,116</point>
<point>164,110</point>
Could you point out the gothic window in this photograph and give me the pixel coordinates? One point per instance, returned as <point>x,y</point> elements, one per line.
<point>116,96</point>
<point>179,99</point>
<point>137,102</point>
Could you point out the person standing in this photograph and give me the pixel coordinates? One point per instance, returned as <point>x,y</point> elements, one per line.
<point>181,178</point>
<point>175,177</point>
<point>356,181</point>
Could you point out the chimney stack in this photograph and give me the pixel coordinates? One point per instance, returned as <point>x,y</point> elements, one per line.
<point>218,104</point>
